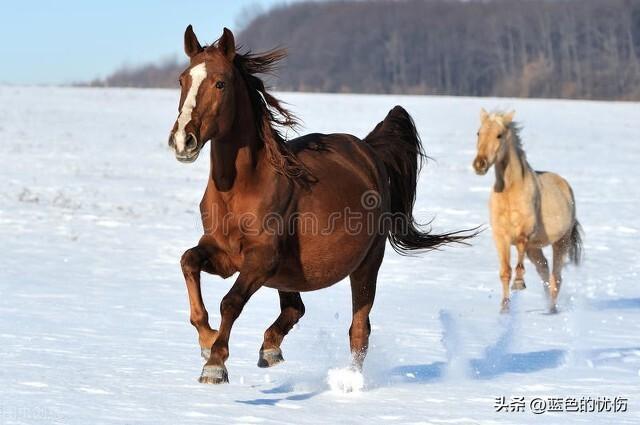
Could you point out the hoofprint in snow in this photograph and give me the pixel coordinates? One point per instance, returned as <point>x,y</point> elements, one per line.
<point>95,212</point>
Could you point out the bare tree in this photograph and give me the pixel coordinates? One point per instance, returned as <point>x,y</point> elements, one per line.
<point>533,48</point>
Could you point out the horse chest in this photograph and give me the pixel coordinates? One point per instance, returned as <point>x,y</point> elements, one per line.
<point>512,215</point>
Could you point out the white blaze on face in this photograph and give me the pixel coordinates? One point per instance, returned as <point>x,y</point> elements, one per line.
<point>198,73</point>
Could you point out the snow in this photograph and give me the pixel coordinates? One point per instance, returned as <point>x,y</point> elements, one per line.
<point>95,212</point>
<point>345,380</point>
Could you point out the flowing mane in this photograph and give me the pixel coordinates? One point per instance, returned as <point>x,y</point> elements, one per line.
<point>517,144</point>
<point>517,141</point>
<point>270,115</point>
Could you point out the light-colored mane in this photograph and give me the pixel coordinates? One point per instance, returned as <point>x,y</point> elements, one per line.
<point>515,141</point>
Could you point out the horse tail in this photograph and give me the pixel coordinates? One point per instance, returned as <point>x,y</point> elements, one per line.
<point>396,142</point>
<point>575,244</point>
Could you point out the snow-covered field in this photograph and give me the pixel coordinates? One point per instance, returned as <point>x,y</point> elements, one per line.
<point>95,213</point>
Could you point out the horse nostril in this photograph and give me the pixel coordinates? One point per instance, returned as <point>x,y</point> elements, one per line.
<point>480,164</point>
<point>172,141</point>
<point>191,143</point>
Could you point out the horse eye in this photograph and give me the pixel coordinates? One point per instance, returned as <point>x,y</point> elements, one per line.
<point>220,85</point>
<point>478,133</point>
<point>500,136</point>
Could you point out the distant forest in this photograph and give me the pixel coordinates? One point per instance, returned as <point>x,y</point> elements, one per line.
<point>586,49</point>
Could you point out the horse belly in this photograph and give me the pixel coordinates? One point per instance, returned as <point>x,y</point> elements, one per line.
<point>557,208</point>
<point>322,262</point>
<point>557,219</point>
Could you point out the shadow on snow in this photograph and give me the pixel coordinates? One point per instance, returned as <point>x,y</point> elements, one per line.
<point>496,359</point>
<point>616,304</point>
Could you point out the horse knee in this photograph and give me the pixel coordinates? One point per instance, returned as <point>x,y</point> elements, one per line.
<point>231,306</point>
<point>294,314</point>
<point>191,261</point>
<point>505,274</point>
<point>199,319</point>
<point>290,316</point>
<point>299,311</point>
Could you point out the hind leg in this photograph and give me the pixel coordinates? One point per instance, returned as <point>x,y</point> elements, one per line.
<point>291,310</point>
<point>560,249</point>
<point>363,291</point>
<point>518,282</point>
<point>536,256</point>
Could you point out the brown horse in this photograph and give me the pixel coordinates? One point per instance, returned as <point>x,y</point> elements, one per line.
<point>529,209</point>
<point>263,193</point>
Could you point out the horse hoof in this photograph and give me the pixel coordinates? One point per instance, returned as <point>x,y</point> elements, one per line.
<point>205,353</point>
<point>270,357</point>
<point>518,285</point>
<point>553,309</point>
<point>214,375</point>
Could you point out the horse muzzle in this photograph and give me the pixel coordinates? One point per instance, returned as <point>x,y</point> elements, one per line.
<point>481,165</point>
<point>188,158</point>
<point>187,151</point>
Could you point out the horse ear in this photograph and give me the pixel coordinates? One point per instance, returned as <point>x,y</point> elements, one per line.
<point>227,44</point>
<point>508,117</point>
<point>191,44</point>
<point>483,115</point>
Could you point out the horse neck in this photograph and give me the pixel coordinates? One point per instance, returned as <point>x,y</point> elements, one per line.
<point>513,168</point>
<point>236,157</point>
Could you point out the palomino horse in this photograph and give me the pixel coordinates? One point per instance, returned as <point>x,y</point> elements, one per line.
<point>257,179</point>
<point>529,209</point>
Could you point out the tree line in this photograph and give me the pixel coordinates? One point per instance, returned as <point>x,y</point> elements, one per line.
<point>528,48</point>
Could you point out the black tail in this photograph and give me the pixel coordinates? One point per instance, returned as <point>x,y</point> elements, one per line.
<point>575,247</point>
<point>397,143</point>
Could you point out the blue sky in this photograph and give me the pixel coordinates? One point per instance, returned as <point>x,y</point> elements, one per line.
<point>64,41</point>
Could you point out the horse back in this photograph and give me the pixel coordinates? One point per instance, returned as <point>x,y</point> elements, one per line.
<point>325,154</point>
<point>554,182</point>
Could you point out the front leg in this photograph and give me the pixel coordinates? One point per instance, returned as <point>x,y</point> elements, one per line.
<point>503,246</point>
<point>210,259</point>
<point>518,282</point>
<point>259,264</point>
<point>291,310</point>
